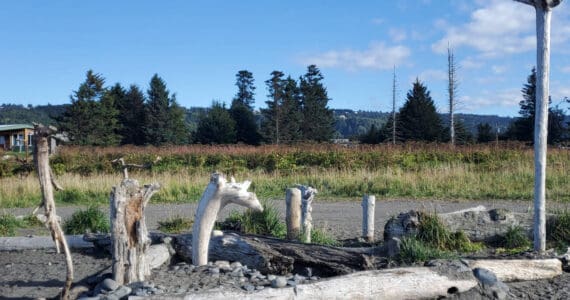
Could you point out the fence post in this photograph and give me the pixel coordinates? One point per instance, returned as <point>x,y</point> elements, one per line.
<point>293,213</point>
<point>368,205</point>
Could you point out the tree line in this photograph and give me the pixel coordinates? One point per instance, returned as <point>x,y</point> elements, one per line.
<point>296,110</point>
<point>418,120</point>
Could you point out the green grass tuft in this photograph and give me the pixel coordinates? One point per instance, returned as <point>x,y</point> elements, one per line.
<point>9,224</point>
<point>89,220</point>
<point>414,249</point>
<point>516,238</point>
<point>267,222</point>
<point>175,225</point>
<point>321,237</point>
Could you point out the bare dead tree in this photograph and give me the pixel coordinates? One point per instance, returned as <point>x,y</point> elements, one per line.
<point>47,184</point>
<point>394,107</point>
<point>452,91</point>
<point>543,10</point>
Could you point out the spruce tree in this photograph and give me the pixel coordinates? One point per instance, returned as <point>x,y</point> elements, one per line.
<point>216,127</point>
<point>271,116</point>
<point>241,110</point>
<point>131,116</point>
<point>91,119</point>
<point>164,120</point>
<point>418,119</point>
<point>485,133</point>
<point>318,120</point>
<point>522,129</point>
<point>291,114</point>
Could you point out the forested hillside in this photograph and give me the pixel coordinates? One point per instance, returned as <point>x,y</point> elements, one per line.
<point>348,123</point>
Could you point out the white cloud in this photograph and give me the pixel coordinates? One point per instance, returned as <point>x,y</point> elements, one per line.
<point>498,28</point>
<point>378,57</point>
<point>565,69</point>
<point>397,35</point>
<point>432,75</point>
<point>507,99</point>
<point>470,63</point>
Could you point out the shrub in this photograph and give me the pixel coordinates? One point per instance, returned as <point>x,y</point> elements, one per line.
<point>8,225</point>
<point>90,220</point>
<point>175,225</point>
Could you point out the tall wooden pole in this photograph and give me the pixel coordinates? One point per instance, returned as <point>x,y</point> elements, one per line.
<point>543,16</point>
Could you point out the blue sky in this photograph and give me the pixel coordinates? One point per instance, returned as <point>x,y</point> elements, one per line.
<point>197,47</point>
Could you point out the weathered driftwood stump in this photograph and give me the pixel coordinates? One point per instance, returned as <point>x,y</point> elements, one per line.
<point>217,195</point>
<point>293,213</point>
<point>307,195</point>
<point>41,156</point>
<point>129,234</point>
<point>368,205</point>
<point>478,223</point>
<point>278,256</point>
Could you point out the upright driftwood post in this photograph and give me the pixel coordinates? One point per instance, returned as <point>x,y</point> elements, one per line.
<point>543,16</point>
<point>293,213</point>
<point>217,195</point>
<point>129,234</point>
<point>41,156</point>
<point>368,205</point>
<point>307,195</point>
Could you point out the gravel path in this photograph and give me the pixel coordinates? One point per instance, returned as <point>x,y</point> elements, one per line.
<point>40,273</point>
<point>342,219</point>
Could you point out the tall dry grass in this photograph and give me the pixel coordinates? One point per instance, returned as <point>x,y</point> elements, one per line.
<point>411,171</point>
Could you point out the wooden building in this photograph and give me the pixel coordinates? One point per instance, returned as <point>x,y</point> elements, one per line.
<point>16,137</point>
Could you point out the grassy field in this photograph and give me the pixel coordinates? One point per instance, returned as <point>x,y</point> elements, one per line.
<point>416,171</point>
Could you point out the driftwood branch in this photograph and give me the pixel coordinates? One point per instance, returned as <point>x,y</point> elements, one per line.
<point>41,158</point>
<point>125,166</point>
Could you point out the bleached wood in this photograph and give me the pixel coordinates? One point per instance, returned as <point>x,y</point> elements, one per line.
<point>401,283</point>
<point>368,205</point>
<point>41,158</point>
<point>217,195</point>
<point>543,17</point>
<point>520,269</point>
<point>293,213</point>
<point>129,234</point>
<point>307,195</point>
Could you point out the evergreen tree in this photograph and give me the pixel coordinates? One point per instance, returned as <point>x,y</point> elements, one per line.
<point>291,112</point>
<point>373,136</point>
<point>485,133</point>
<point>241,110</point>
<point>216,127</point>
<point>522,129</point>
<point>91,119</point>
<point>246,89</point>
<point>271,121</point>
<point>131,116</point>
<point>318,120</point>
<point>418,119</point>
<point>164,121</point>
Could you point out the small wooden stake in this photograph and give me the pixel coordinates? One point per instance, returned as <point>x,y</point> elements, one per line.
<point>293,213</point>
<point>368,205</point>
<point>307,195</point>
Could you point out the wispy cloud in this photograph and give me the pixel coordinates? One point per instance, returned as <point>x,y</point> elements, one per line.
<point>508,99</point>
<point>431,76</point>
<point>377,57</point>
<point>397,34</point>
<point>498,28</point>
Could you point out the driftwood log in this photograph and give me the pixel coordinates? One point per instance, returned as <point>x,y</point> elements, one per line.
<point>42,135</point>
<point>277,256</point>
<point>130,238</point>
<point>217,195</point>
<point>478,223</point>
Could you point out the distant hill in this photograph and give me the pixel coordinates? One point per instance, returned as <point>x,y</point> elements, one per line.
<point>19,114</point>
<point>349,123</point>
